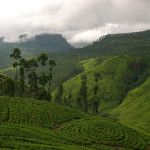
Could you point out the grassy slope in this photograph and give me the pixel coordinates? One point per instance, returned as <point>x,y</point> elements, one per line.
<point>27,123</point>
<point>116,80</point>
<point>135,109</point>
<point>35,112</point>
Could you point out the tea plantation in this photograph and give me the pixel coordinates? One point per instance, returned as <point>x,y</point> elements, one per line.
<point>33,124</point>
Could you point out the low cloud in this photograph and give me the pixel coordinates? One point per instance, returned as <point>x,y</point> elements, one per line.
<point>77,20</point>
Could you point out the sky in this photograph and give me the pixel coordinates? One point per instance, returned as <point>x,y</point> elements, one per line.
<point>77,20</point>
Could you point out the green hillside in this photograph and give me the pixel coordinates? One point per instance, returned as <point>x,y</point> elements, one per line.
<point>68,66</point>
<point>135,109</point>
<point>34,112</point>
<point>119,75</point>
<point>122,62</point>
<point>33,124</point>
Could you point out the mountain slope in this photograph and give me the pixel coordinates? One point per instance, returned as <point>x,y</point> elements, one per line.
<point>119,75</point>
<point>68,66</point>
<point>46,43</point>
<point>135,109</point>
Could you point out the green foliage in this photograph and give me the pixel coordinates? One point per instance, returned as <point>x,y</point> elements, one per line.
<point>95,106</point>
<point>102,131</point>
<point>117,77</point>
<point>83,93</point>
<point>134,110</point>
<point>35,112</point>
<point>42,59</point>
<point>43,79</point>
<point>33,83</point>
<point>59,93</point>
<point>34,124</point>
<point>16,54</point>
<point>95,89</point>
<point>31,64</point>
<point>9,87</point>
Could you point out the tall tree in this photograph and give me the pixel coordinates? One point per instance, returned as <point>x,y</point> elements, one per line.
<point>9,86</point>
<point>32,76</point>
<point>97,76</point>
<point>42,59</point>
<point>52,63</point>
<point>43,79</point>
<point>79,101</point>
<point>22,64</point>
<point>95,106</point>
<point>2,78</point>
<point>16,55</point>
<point>83,92</point>
<point>59,93</point>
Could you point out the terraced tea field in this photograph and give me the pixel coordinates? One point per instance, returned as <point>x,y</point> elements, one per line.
<point>35,112</point>
<point>32,124</point>
<point>95,131</point>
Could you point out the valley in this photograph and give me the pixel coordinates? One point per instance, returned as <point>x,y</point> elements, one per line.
<point>96,97</point>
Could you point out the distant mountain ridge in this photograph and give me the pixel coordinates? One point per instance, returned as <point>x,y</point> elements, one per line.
<point>48,43</point>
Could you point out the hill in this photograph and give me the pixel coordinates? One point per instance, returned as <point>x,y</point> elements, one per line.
<point>48,43</point>
<point>135,109</point>
<point>35,112</point>
<point>119,75</point>
<point>134,44</point>
<point>33,124</point>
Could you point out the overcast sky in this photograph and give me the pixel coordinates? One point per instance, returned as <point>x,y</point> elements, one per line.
<point>76,20</point>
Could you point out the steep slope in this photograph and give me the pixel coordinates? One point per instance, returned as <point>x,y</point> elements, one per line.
<point>136,43</point>
<point>135,109</point>
<point>119,75</point>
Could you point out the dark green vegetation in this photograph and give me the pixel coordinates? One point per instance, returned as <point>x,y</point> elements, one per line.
<point>118,75</point>
<point>135,44</point>
<point>102,131</point>
<point>33,124</point>
<point>33,85</point>
<point>135,109</point>
<point>109,78</point>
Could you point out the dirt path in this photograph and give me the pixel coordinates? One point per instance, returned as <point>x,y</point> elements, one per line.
<point>147,147</point>
<point>56,127</point>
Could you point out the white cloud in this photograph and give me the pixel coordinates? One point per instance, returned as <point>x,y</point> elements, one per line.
<point>77,20</point>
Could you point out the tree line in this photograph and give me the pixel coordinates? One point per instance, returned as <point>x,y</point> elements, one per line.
<point>27,83</point>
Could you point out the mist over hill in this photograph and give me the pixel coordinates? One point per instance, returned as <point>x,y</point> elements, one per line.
<point>48,43</point>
